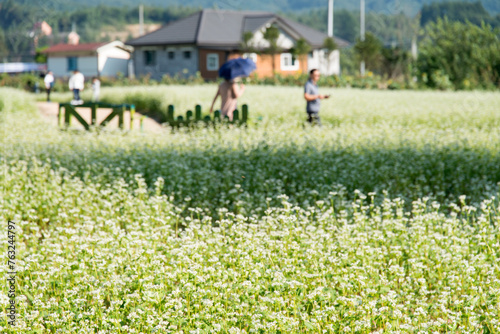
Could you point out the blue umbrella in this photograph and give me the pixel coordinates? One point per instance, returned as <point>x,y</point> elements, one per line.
<point>239,67</point>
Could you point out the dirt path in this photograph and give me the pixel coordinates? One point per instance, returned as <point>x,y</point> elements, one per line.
<point>49,112</point>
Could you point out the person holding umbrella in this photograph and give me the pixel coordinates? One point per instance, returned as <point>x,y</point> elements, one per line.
<point>230,90</point>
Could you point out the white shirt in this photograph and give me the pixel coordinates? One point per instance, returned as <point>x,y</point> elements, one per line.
<point>96,86</point>
<point>77,81</point>
<point>49,78</point>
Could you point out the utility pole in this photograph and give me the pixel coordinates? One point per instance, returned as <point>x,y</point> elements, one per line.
<point>330,18</point>
<point>362,32</point>
<point>141,20</point>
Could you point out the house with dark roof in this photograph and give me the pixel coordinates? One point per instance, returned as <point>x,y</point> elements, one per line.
<point>205,40</point>
<point>92,59</point>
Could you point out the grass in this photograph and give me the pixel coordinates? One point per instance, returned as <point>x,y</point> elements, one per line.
<point>384,220</point>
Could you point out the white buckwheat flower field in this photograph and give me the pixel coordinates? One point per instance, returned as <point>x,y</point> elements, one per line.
<point>384,220</point>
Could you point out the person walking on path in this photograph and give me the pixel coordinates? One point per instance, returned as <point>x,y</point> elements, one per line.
<point>76,84</point>
<point>229,91</point>
<point>49,83</point>
<point>313,98</point>
<point>96,89</point>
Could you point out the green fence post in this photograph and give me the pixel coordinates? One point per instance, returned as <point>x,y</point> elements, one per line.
<point>197,111</point>
<point>236,116</point>
<point>189,115</point>
<point>132,116</point>
<point>121,111</point>
<point>170,115</point>
<point>59,116</point>
<point>142,123</point>
<point>244,113</point>
<point>217,116</point>
<point>67,116</point>
<point>93,119</point>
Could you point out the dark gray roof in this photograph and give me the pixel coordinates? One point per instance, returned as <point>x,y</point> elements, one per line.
<point>253,23</point>
<point>183,31</point>
<point>224,28</point>
<point>220,28</point>
<point>314,37</point>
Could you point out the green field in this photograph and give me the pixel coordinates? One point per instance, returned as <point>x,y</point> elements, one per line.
<point>385,220</point>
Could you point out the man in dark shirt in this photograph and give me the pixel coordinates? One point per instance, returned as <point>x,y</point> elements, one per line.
<point>313,97</point>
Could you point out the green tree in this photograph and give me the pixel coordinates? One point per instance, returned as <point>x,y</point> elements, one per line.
<point>369,51</point>
<point>245,44</point>
<point>474,61</point>
<point>348,63</point>
<point>271,34</point>
<point>455,11</point>
<point>41,57</point>
<point>395,62</point>
<point>330,45</point>
<point>300,51</point>
<point>4,52</point>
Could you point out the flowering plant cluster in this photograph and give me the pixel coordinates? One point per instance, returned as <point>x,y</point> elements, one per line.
<point>134,233</point>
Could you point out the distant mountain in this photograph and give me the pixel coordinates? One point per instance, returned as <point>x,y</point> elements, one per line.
<point>409,7</point>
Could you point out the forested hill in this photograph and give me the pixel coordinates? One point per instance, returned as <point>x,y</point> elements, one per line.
<point>409,7</point>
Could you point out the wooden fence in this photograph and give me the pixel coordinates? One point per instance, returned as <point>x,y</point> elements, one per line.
<point>67,111</point>
<point>196,117</point>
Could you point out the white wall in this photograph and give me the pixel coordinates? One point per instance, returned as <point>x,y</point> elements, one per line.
<point>112,60</point>
<point>111,67</point>
<point>284,41</point>
<point>112,51</point>
<point>326,66</point>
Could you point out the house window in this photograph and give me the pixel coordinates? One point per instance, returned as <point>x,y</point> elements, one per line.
<point>252,56</point>
<point>171,55</point>
<point>72,64</point>
<point>149,58</point>
<point>212,62</point>
<point>187,54</point>
<point>288,62</point>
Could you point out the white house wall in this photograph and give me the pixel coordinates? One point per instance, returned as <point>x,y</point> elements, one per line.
<point>284,41</point>
<point>112,66</point>
<point>163,66</point>
<point>320,61</point>
<point>113,60</point>
<point>113,52</point>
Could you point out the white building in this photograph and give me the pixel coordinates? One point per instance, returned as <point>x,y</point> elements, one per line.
<point>92,59</point>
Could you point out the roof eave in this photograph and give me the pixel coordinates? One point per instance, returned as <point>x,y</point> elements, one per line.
<point>162,43</point>
<point>68,51</point>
